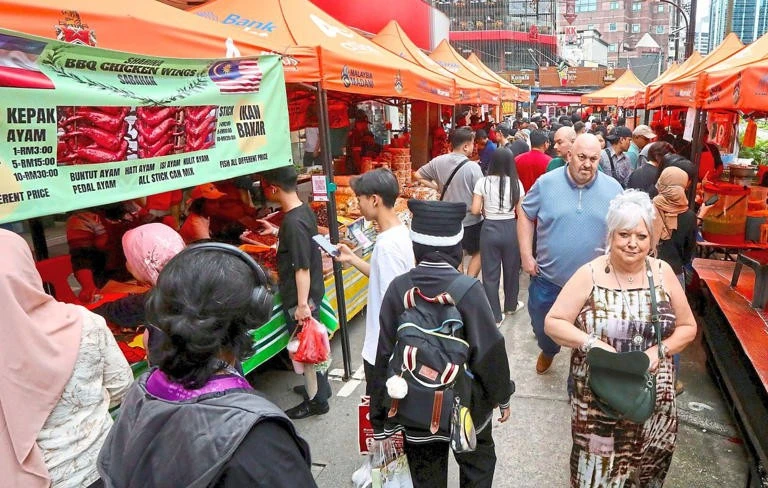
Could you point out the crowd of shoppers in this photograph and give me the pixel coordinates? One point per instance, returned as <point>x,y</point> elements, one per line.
<point>566,221</point>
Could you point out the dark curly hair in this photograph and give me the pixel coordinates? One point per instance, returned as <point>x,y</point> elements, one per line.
<point>201,305</point>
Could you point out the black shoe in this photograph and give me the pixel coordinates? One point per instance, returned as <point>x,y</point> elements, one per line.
<point>301,390</point>
<point>307,408</point>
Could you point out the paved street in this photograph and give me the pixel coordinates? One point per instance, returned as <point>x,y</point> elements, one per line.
<point>533,447</point>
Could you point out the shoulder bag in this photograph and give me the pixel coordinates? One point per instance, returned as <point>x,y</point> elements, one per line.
<point>613,167</point>
<point>620,382</point>
<point>450,178</point>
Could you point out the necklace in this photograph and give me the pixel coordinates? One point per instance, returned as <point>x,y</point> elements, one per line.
<point>637,339</point>
<point>609,265</point>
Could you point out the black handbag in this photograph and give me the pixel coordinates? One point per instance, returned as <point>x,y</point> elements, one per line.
<point>620,382</point>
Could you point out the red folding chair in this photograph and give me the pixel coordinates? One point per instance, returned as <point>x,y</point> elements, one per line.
<point>55,273</point>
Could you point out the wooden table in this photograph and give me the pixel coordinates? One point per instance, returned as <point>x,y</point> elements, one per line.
<point>736,341</point>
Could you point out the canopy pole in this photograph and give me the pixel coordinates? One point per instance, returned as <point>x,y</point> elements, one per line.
<point>39,243</point>
<point>647,116</point>
<point>696,150</point>
<point>333,228</point>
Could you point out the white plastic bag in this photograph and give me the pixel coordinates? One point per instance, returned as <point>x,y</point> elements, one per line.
<point>390,466</point>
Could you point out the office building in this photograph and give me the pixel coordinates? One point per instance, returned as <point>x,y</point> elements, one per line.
<point>622,24</point>
<point>747,18</point>
<point>505,34</point>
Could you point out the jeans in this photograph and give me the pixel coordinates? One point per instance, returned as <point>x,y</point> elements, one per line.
<point>498,248</point>
<point>541,296</point>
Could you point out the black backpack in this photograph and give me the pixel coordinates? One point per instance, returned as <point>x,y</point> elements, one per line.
<point>430,354</point>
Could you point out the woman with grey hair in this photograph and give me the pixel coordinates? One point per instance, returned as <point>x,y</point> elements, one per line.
<point>607,304</point>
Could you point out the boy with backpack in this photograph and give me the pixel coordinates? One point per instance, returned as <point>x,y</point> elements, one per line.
<point>431,318</point>
<point>392,255</point>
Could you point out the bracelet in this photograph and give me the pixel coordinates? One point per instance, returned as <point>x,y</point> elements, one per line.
<point>588,344</point>
<point>664,349</point>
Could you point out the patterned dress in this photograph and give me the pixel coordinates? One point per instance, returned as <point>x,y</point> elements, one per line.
<point>610,453</point>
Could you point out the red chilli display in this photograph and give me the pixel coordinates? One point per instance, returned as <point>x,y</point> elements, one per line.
<point>91,135</point>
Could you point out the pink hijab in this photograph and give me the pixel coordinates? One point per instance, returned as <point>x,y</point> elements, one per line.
<point>148,248</point>
<point>41,339</point>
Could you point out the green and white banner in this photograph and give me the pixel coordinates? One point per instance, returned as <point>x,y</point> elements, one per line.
<point>82,126</point>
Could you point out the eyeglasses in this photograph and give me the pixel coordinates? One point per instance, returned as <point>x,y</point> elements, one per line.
<point>583,158</point>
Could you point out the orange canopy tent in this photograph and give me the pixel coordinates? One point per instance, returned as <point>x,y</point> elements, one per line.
<point>349,62</point>
<point>638,100</point>
<point>147,27</point>
<point>739,82</point>
<point>627,84</point>
<point>680,90</point>
<point>448,58</point>
<point>509,92</point>
<point>395,40</point>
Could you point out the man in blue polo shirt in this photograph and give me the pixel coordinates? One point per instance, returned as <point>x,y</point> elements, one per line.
<point>566,208</point>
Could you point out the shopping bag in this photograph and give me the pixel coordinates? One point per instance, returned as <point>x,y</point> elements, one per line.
<point>365,429</point>
<point>390,466</point>
<point>314,346</point>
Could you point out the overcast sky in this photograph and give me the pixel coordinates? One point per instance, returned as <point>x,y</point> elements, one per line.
<point>702,9</point>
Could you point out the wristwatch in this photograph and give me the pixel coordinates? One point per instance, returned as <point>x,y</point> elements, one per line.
<point>664,349</point>
<point>588,343</point>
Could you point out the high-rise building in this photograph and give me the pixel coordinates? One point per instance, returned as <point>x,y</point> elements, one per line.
<point>505,34</point>
<point>701,43</point>
<point>747,18</point>
<point>701,37</point>
<point>622,23</point>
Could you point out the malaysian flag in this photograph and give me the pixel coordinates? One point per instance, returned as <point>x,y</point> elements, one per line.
<point>241,76</point>
<point>18,63</point>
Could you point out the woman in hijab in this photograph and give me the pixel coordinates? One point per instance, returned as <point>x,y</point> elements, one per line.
<point>63,371</point>
<point>147,249</point>
<point>675,224</point>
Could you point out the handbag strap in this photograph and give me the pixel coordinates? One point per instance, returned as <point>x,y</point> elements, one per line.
<point>610,159</point>
<point>450,178</point>
<point>655,319</point>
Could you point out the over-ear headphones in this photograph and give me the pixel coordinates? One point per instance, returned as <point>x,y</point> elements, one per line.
<point>262,295</point>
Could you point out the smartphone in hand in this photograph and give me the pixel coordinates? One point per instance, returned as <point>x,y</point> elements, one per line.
<point>326,246</point>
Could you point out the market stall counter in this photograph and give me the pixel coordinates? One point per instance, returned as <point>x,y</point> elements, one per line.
<point>736,342</point>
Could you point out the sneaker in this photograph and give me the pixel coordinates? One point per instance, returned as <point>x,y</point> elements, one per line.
<point>543,363</point>
<point>520,306</point>
<point>307,408</point>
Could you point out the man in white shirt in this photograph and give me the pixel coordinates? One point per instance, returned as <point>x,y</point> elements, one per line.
<point>311,146</point>
<point>392,256</point>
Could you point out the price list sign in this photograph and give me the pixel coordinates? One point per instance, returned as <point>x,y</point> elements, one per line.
<point>83,126</point>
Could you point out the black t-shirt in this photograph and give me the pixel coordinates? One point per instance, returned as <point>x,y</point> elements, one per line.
<point>296,250</point>
<point>644,178</point>
<point>267,457</point>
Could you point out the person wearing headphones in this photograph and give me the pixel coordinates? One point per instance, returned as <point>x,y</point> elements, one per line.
<point>195,408</point>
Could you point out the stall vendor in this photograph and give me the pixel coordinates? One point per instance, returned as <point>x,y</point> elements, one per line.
<point>94,239</point>
<point>203,203</point>
<point>235,211</point>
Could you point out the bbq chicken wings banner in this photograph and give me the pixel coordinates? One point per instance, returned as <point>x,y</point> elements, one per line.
<point>82,126</point>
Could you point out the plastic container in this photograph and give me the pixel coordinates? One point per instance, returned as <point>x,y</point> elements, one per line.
<point>757,198</point>
<point>726,220</point>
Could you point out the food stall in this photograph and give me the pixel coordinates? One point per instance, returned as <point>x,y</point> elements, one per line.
<point>733,293</point>
<point>86,126</point>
